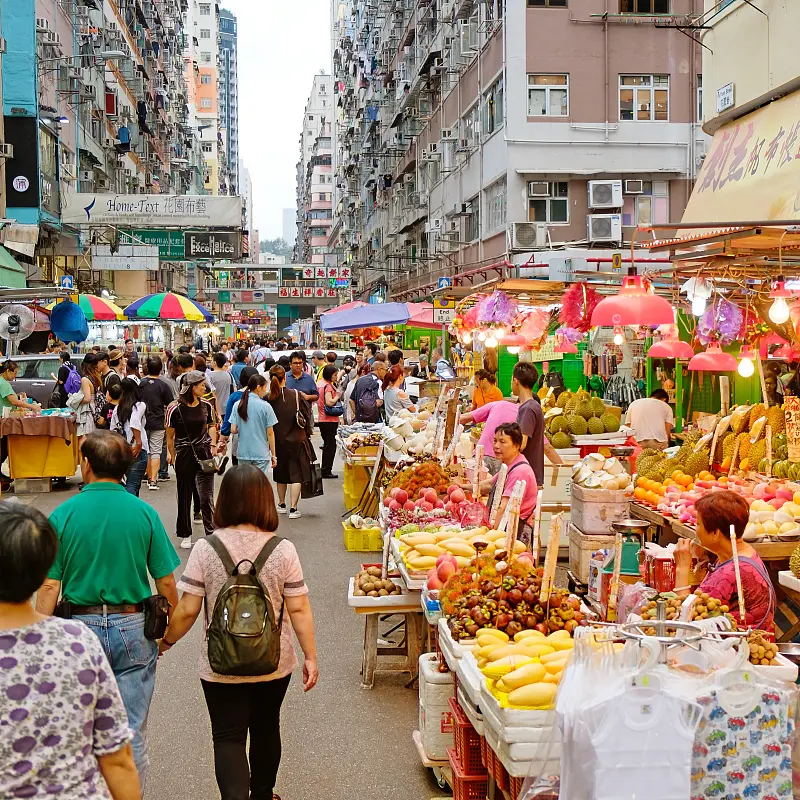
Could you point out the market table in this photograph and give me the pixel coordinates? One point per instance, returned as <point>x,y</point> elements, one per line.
<point>41,447</point>
<point>655,519</point>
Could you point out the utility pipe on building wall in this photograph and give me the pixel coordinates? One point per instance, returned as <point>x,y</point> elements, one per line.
<point>605,67</point>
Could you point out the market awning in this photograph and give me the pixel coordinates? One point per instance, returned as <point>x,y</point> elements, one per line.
<point>369,316</point>
<point>12,274</point>
<point>752,170</point>
<point>344,307</point>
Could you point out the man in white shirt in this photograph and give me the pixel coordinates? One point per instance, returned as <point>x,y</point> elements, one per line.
<point>651,419</point>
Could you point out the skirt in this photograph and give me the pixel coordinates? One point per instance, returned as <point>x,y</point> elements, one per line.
<point>293,465</point>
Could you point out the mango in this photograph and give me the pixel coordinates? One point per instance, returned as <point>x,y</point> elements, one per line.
<point>501,635</point>
<point>552,677</point>
<point>563,644</point>
<point>458,547</point>
<point>550,658</point>
<point>413,539</point>
<point>522,676</point>
<point>429,550</point>
<point>515,661</point>
<point>555,667</point>
<point>560,635</point>
<point>534,695</point>
<point>421,563</point>
<point>522,635</point>
<point>533,648</point>
<point>510,649</point>
<point>485,650</point>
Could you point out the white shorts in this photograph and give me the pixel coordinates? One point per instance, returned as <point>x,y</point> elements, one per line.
<point>156,443</point>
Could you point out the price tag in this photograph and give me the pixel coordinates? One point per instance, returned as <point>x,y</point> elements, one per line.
<point>768,434</point>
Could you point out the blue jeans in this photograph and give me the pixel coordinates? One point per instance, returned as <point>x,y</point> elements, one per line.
<point>136,473</point>
<point>133,661</point>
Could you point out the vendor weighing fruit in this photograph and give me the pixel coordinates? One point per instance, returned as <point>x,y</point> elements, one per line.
<point>716,512</point>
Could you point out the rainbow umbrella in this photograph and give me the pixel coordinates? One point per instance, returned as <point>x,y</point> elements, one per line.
<point>97,309</point>
<point>168,305</point>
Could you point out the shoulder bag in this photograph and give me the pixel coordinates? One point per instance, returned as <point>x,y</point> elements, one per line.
<point>313,485</point>
<point>299,416</point>
<point>208,466</point>
<point>334,410</point>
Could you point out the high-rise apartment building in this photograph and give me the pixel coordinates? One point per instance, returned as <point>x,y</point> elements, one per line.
<point>289,226</point>
<point>314,177</point>
<point>229,97</point>
<point>472,132</point>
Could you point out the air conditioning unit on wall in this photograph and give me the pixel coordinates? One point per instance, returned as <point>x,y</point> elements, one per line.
<point>604,227</point>
<point>605,194</point>
<point>528,235</point>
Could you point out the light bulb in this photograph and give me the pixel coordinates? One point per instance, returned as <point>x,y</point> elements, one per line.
<point>481,337</point>
<point>698,305</point>
<point>466,338</point>
<point>490,341</point>
<point>499,334</point>
<point>746,367</point>
<point>514,349</point>
<point>619,337</point>
<point>779,311</point>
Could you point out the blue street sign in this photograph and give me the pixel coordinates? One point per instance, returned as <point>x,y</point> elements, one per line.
<point>67,282</point>
<point>445,283</point>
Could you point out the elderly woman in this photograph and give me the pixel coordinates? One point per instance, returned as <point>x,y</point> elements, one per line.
<point>64,729</point>
<point>716,514</point>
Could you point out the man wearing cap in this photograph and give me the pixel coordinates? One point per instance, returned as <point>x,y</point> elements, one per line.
<point>109,375</point>
<point>318,359</point>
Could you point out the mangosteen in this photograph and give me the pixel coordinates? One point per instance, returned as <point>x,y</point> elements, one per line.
<point>514,597</point>
<point>479,617</point>
<point>501,621</point>
<point>531,622</point>
<point>519,617</point>
<point>513,628</point>
<point>473,601</point>
<point>472,629</point>
<point>529,596</point>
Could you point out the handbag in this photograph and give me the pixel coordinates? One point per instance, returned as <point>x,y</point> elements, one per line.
<point>335,410</point>
<point>299,417</point>
<point>208,466</point>
<point>156,612</point>
<point>313,486</point>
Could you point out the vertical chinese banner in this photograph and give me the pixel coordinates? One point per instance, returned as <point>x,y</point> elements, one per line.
<point>791,408</point>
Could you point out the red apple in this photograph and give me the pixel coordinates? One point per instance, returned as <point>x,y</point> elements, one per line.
<point>458,496</point>
<point>408,505</point>
<point>421,493</point>
<point>393,493</point>
<point>394,505</point>
<point>434,581</point>
<point>388,500</point>
<point>445,570</point>
<point>401,495</point>
<point>452,488</point>
<point>426,506</point>
<point>431,496</point>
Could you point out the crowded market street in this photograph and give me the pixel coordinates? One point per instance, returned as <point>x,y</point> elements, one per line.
<point>320,728</point>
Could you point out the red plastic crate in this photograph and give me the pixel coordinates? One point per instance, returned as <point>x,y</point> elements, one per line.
<point>467,741</point>
<point>496,769</point>
<point>467,787</point>
<point>485,752</point>
<point>515,786</point>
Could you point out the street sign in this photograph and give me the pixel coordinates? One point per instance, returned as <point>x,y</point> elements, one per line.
<point>444,311</point>
<point>445,283</point>
<point>67,282</point>
<point>725,97</point>
<point>616,261</point>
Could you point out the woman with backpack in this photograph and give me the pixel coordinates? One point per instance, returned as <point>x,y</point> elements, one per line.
<point>246,666</point>
<point>87,402</point>
<point>129,420</point>
<point>292,441</point>
<point>330,408</point>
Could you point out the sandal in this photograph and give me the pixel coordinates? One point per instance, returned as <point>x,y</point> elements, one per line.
<point>276,796</point>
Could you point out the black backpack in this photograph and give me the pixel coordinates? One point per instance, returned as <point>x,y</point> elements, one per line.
<point>244,638</point>
<point>367,408</point>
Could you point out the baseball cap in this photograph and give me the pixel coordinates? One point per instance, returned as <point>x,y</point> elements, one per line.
<point>318,354</point>
<point>191,378</point>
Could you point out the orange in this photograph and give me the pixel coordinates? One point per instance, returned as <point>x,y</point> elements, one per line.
<point>640,493</point>
<point>662,490</point>
<point>641,482</point>
<point>686,480</point>
<point>723,479</point>
<point>690,486</point>
<point>677,474</point>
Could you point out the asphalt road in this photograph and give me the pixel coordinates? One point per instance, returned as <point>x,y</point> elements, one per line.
<point>339,741</point>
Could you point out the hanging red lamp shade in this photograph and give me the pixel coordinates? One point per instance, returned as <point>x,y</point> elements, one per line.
<point>563,346</point>
<point>713,360</point>
<point>633,306</point>
<point>786,352</point>
<point>513,342</point>
<point>671,348</point>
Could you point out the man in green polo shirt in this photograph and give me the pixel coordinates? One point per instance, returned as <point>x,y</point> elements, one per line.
<point>109,542</point>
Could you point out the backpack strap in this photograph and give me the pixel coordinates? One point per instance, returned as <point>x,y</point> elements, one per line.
<point>224,555</point>
<point>266,551</point>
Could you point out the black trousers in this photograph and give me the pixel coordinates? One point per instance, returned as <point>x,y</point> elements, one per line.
<point>236,709</point>
<point>189,477</point>
<point>328,433</point>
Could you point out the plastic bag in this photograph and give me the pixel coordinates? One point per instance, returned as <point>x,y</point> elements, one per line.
<point>632,598</point>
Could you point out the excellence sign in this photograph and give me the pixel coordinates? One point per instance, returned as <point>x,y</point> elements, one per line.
<point>217,245</point>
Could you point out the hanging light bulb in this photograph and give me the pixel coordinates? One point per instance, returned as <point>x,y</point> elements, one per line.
<point>499,334</point>
<point>466,337</point>
<point>698,305</point>
<point>619,336</point>
<point>490,341</point>
<point>482,336</point>
<point>514,343</point>
<point>779,310</point>
<point>746,366</point>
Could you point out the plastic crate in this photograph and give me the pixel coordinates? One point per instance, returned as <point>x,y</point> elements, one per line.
<point>515,787</point>
<point>467,787</point>
<point>362,540</point>
<point>496,769</point>
<point>467,742</point>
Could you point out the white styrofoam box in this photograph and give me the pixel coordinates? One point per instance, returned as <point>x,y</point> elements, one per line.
<point>452,649</point>
<point>435,716</point>
<point>544,758</point>
<point>593,510</point>
<point>513,717</point>
<point>470,678</point>
<point>471,713</point>
<point>581,547</point>
<point>784,670</point>
<point>514,733</point>
<point>788,579</point>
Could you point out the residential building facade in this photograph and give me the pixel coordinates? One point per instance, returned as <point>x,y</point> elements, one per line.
<point>229,97</point>
<point>473,133</point>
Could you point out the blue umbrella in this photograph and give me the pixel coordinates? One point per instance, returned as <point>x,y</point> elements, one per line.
<point>373,315</point>
<point>68,322</point>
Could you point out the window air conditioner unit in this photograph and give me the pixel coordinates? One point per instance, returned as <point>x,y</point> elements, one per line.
<point>433,149</point>
<point>87,175</point>
<point>42,25</point>
<point>528,235</point>
<point>409,178</point>
<point>438,65</point>
<point>6,150</point>
<point>447,135</point>
<point>604,227</point>
<point>424,154</point>
<point>605,194</point>
<point>435,224</point>
<point>463,146</point>
<point>51,37</point>
<point>634,187</point>
<point>538,189</point>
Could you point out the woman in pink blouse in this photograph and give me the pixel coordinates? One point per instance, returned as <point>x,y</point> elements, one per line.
<point>245,519</point>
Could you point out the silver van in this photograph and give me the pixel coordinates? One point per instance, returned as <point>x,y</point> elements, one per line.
<point>35,375</point>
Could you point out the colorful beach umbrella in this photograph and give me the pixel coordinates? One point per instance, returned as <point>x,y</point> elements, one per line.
<point>168,305</point>
<point>97,309</point>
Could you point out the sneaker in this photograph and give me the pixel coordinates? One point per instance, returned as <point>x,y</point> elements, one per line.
<point>152,486</point>
<point>197,518</point>
<point>329,475</point>
<point>281,508</point>
<point>186,544</point>
<point>163,478</point>
<point>294,513</point>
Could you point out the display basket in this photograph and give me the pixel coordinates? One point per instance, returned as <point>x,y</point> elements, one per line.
<point>467,787</point>
<point>363,540</point>
<point>467,741</point>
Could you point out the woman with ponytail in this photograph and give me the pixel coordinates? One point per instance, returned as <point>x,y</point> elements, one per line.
<point>253,420</point>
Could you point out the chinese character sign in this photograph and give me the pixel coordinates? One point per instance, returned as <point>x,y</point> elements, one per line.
<point>283,291</point>
<point>791,408</point>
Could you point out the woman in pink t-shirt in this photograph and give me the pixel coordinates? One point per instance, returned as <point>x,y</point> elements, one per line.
<point>246,519</point>
<point>492,414</point>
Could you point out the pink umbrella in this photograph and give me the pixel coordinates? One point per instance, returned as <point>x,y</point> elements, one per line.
<point>421,315</point>
<point>345,307</point>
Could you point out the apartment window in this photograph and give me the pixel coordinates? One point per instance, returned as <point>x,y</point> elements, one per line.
<point>205,9</point>
<point>472,228</point>
<point>548,95</point>
<point>548,202</point>
<point>205,57</point>
<point>471,126</point>
<point>323,88</point>
<point>310,117</point>
<point>495,206</point>
<point>699,98</point>
<point>651,207</point>
<point>644,98</point>
<point>205,33</point>
<point>644,6</point>
<point>493,107</point>
<point>205,80</point>
<point>205,102</point>
<point>547,3</point>
<point>207,147</point>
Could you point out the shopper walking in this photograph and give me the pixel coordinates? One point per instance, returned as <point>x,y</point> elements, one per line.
<point>191,438</point>
<point>129,420</point>
<point>108,543</point>
<point>66,372</point>
<point>394,398</point>
<point>242,359</point>
<point>133,369</point>
<point>157,396</point>
<point>330,408</point>
<point>86,750</point>
<point>88,402</point>
<point>221,382</point>
<point>254,420</point>
<point>366,398</point>
<point>292,441</point>
<point>301,380</point>
<point>246,522</point>
<point>225,425</point>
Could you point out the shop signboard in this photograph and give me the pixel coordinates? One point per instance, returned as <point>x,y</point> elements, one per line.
<point>152,210</point>
<point>725,98</point>
<point>216,245</point>
<point>791,408</point>
<point>444,311</point>
<point>169,243</point>
<point>48,171</point>
<point>126,258</point>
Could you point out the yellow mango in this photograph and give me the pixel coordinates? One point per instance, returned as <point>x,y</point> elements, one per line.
<point>501,686</point>
<point>510,649</point>
<point>501,635</point>
<point>413,539</point>
<point>563,644</point>
<point>463,561</point>
<point>515,661</point>
<point>559,655</point>
<point>458,547</point>
<point>522,635</point>
<point>552,677</point>
<point>422,563</point>
<point>429,550</point>
<point>528,673</point>
<point>555,667</point>
<point>533,648</point>
<point>520,547</point>
<point>485,650</point>
<point>534,695</point>
<point>560,635</point>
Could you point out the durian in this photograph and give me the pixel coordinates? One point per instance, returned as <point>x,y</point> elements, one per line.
<point>561,440</point>
<point>610,423</point>
<point>756,412</point>
<point>794,561</point>
<point>559,423</point>
<point>739,419</point>
<point>584,409</point>
<point>595,426</point>
<point>577,425</point>
<point>744,445</point>
<point>696,462</point>
<point>649,451</point>
<point>757,451</point>
<point>570,406</point>
<point>598,406</point>
<point>776,419</point>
